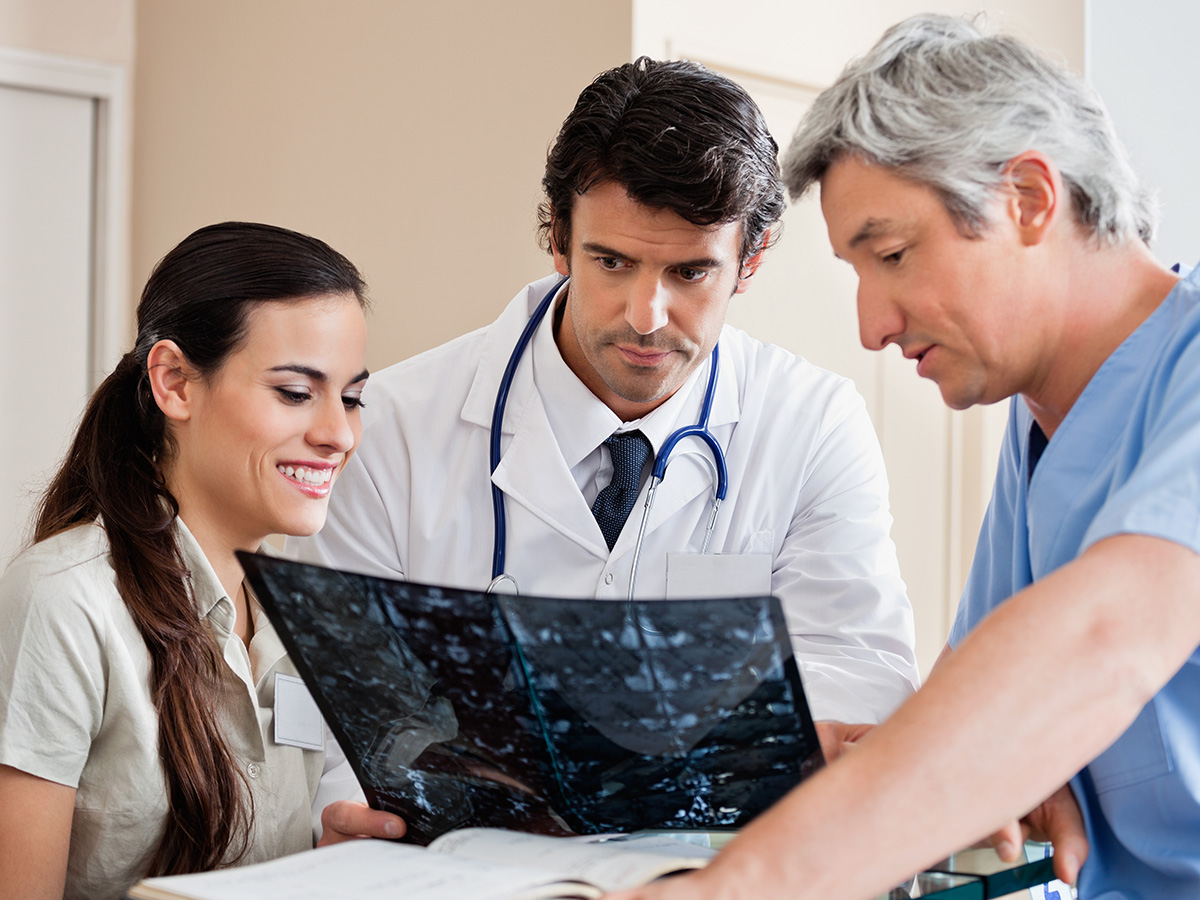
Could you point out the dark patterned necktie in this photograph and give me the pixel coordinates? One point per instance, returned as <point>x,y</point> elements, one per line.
<point>629,451</point>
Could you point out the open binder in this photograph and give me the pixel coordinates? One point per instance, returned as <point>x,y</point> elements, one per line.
<point>560,716</point>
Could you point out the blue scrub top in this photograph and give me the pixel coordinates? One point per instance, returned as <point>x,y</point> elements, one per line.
<point>1126,459</point>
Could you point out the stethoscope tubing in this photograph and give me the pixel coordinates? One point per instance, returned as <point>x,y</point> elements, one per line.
<point>699,430</point>
<point>500,533</point>
<point>501,580</point>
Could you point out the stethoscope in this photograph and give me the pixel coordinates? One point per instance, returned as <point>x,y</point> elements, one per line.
<point>505,583</point>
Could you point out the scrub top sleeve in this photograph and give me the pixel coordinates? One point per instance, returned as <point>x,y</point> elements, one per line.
<point>1159,471</point>
<point>838,578</point>
<point>52,672</point>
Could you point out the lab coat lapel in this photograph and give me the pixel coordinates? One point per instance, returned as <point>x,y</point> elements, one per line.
<point>532,471</point>
<point>690,476</point>
<point>493,358</point>
<point>533,474</point>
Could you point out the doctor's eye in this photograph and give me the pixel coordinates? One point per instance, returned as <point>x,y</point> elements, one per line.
<point>687,273</point>
<point>611,263</point>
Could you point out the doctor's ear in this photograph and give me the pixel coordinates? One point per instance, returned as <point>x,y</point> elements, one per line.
<point>562,265</point>
<point>750,266</point>
<point>1035,188</point>
<point>172,380</point>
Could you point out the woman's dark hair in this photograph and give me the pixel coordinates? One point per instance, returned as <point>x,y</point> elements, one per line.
<point>199,296</point>
<point>675,136</point>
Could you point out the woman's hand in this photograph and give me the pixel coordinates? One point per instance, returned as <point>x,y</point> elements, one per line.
<point>347,820</point>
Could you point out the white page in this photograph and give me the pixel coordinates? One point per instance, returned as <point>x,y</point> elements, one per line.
<point>362,870</point>
<point>611,864</point>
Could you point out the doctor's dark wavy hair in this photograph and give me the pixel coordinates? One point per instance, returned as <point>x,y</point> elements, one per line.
<point>199,295</point>
<point>675,136</point>
<point>947,106</point>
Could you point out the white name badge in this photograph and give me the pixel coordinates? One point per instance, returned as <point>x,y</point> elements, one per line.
<point>718,575</point>
<point>298,722</point>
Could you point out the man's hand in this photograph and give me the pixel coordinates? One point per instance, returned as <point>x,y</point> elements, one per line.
<point>837,737</point>
<point>346,820</point>
<point>1058,821</point>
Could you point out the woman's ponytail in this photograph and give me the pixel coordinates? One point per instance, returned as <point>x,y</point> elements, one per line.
<point>112,473</point>
<point>198,296</point>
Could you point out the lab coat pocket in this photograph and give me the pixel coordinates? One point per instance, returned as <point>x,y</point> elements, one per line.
<point>1137,755</point>
<point>718,575</point>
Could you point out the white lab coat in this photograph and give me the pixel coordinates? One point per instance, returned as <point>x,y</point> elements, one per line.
<point>806,485</point>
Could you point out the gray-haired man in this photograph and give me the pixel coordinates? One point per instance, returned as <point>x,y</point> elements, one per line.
<point>998,235</point>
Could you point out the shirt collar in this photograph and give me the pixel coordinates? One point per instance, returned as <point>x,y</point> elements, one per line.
<point>265,648</point>
<point>580,420</point>
<point>207,590</point>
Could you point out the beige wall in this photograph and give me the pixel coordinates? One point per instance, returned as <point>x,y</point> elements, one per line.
<point>93,29</point>
<point>411,137</point>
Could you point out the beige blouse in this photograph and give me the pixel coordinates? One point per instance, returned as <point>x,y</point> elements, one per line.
<point>75,708</point>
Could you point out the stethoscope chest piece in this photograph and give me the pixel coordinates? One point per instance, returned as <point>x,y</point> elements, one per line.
<point>503,584</point>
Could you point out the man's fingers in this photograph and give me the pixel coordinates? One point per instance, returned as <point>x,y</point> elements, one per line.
<point>1007,841</point>
<point>1062,824</point>
<point>1056,820</point>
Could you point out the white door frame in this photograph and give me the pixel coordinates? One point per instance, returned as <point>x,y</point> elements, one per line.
<point>105,85</point>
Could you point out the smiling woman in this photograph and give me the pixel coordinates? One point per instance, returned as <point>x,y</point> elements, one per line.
<point>259,442</point>
<point>137,673</point>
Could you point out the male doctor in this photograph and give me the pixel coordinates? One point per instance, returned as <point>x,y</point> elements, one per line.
<point>661,190</point>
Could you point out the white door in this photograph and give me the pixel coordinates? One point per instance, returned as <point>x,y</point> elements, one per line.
<point>47,166</point>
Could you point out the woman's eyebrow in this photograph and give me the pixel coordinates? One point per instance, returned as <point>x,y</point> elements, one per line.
<point>316,374</point>
<point>306,371</point>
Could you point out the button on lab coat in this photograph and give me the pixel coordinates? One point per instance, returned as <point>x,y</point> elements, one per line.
<point>806,487</point>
